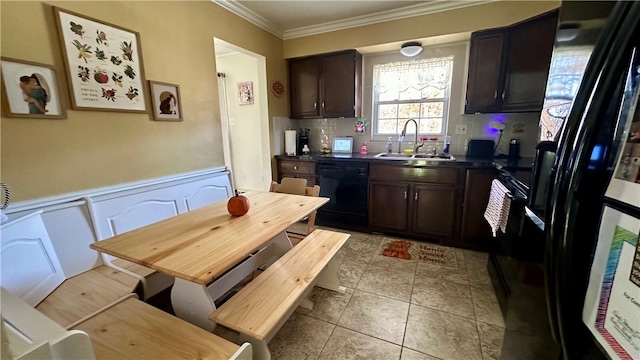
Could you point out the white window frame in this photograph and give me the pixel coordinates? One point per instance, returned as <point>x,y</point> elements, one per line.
<point>455,106</point>
<point>411,129</point>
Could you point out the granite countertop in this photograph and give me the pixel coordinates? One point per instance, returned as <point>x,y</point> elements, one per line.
<point>524,164</point>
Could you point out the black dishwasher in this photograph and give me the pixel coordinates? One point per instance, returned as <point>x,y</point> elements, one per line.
<point>346,185</point>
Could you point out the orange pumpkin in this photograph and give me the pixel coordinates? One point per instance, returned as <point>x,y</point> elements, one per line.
<point>238,205</point>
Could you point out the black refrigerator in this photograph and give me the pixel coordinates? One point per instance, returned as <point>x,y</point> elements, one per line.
<point>585,197</point>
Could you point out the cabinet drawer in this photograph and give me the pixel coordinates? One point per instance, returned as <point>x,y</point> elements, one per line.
<point>297,167</point>
<point>417,174</point>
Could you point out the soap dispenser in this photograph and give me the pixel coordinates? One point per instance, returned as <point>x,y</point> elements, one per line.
<point>389,145</point>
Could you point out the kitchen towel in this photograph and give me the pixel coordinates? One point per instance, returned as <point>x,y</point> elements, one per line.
<point>290,142</point>
<point>497,212</point>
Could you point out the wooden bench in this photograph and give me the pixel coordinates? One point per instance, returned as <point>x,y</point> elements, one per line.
<point>123,327</point>
<point>85,294</point>
<point>99,302</point>
<point>126,329</point>
<point>259,310</point>
<point>132,329</point>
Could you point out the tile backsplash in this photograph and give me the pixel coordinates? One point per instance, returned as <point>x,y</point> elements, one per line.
<point>522,126</point>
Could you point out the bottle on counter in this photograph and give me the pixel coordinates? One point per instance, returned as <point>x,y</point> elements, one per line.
<point>363,149</point>
<point>447,143</point>
<point>389,145</point>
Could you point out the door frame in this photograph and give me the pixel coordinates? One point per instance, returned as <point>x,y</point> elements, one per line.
<point>261,96</point>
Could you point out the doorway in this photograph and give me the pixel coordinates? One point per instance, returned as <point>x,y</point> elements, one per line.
<point>244,115</point>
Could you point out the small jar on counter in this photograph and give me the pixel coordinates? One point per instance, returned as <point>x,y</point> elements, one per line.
<point>363,149</point>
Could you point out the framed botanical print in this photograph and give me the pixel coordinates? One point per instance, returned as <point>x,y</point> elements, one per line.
<point>30,90</point>
<point>166,101</point>
<point>103,63</point>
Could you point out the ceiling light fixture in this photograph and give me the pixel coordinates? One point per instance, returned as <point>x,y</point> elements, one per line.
<point>411,48</point>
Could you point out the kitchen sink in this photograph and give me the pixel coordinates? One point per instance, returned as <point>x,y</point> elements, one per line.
<point>393,155</point>
<point>398,156</point>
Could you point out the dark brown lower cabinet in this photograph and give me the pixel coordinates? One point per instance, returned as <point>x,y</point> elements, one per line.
<point>475,231</point>
<point>422,209</point>
<point>434,210</point>
<point>388,206</point>
<point>298,169</point>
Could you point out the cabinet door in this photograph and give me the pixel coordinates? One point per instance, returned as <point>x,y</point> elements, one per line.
<point>388,206</point>
<point>434,210</point>
<point>485,64</point>
<point>528,59</point>
<point>475,229</point>
<point>338,84</point>
<point>303,87</point>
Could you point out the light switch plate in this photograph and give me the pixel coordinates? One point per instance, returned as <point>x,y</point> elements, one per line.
<point>461,129</point>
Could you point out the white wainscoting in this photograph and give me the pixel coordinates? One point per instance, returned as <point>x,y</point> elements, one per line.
<point>76,220</point>
<point>30,268</point>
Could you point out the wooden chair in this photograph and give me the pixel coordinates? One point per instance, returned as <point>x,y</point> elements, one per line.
<point>297,186</point>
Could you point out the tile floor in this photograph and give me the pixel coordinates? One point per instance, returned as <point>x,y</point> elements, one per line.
<point>397,309</point>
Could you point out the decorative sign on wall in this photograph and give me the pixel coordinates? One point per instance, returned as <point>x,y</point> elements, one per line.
<point>103,64</point>
<point>30,90</point>
<point>277,88</point>
<point>245,92</point>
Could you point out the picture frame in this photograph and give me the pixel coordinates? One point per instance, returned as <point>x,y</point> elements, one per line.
<point>245,93</point>
<point>103,63</point>
<point>30,90</point>
<point>166,101</point>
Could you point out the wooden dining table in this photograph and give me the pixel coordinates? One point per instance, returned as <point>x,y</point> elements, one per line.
<point>208,251</point>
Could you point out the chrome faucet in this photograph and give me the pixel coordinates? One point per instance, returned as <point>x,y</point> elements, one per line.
<point>404,133</point>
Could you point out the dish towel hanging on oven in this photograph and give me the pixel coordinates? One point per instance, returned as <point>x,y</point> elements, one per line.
<point>497,212</point>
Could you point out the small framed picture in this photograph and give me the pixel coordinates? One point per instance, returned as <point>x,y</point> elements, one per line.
<point>30,90</point>
<point>166,101</point>
<point>245,92</point>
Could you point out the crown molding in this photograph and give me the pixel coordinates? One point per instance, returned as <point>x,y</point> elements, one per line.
<point>249,15</point>
<point>389,15</point>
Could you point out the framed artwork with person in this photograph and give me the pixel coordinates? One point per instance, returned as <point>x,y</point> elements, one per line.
<point>166,101</point>
<point>30,90</point>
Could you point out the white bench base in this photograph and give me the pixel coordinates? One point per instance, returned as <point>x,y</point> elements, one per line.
<point>195,302</point>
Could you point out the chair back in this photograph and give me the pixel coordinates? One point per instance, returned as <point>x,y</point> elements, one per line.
<point>297,186</point>
<point>293,186</point>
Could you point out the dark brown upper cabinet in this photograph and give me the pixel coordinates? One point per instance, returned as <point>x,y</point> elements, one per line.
<point>485,71</point>
<point>508,67</point>
<point>325,85</point>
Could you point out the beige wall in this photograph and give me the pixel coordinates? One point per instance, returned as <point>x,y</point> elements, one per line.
<point>42,157</point>
<point>463,20</point>
<point>92,149</point>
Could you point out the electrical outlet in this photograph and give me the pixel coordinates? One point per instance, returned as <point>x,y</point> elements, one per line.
<point>461,129</point>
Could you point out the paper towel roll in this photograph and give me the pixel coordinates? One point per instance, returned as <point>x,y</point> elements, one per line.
<point>290,142</point>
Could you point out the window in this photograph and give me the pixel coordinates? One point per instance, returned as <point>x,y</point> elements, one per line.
<point>565,74</point>
<point>416,89</point>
